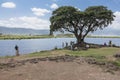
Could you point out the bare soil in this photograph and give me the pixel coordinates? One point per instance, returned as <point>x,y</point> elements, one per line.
<point>52,70</point>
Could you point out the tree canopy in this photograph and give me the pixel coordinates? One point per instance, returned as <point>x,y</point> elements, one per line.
<point>80,23</point>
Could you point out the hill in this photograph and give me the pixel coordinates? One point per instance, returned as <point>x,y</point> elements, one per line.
<point>22,31</point>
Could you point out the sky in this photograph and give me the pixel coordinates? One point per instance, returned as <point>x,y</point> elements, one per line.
<point>35,14</point>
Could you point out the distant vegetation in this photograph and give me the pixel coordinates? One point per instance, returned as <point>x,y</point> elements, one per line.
<point>4,37</point>
<point>92,36</point>
<point>65,35</point>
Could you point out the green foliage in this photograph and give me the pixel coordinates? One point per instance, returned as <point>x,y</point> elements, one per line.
<point>99,16</point>
<point>62,18</point>
<point>80,23</point>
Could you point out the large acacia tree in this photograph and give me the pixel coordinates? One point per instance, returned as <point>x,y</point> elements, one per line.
<point>80,23</point>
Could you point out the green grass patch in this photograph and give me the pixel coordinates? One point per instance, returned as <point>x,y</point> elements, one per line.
<point>99,53</point>
<point>117,63</point>
<point>39,54</point>
<point>6,57</point>
<point>95,52</point>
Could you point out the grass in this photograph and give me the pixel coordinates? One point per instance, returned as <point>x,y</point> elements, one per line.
<point>117,63</point>
<point>39,54</point>
<point>95,52</point>
<point>99,53</point>
<point>104,54</point>
<point>5,57</point>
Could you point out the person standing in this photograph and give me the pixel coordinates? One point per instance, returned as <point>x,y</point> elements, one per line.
<point>17,50</point>
<point>110,43</point>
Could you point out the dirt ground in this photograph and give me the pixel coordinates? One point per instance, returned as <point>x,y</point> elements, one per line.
<point>50,70</point>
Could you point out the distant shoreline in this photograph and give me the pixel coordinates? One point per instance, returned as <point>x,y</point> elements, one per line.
<point>19,37</point>
<point>103,36</point>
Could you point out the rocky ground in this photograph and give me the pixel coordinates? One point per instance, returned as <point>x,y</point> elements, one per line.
<point>58,68</point>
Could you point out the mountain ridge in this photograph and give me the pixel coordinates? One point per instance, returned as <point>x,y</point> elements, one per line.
<point>22,31</point>
<point>28,31</point>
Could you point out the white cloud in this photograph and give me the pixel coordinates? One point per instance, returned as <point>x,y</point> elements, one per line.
<point>8,5</point>
<point>78,8</point>
<point>116,22</point>
<point>26,22</point>
<point>54,6</point>
<point>40,11</point>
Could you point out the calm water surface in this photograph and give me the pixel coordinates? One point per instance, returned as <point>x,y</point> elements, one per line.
<point>34,45</point>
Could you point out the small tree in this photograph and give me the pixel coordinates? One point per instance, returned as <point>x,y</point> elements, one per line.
<point>80,23</point>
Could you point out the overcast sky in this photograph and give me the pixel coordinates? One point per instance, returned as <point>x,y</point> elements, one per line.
<point>35,14</point>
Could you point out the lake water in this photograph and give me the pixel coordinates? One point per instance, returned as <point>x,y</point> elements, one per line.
<point>34,45</point>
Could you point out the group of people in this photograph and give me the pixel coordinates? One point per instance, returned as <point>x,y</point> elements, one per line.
<point>109,43</point>
<point>72,45</point>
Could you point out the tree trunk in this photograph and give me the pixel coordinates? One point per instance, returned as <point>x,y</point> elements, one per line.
<point>51,33</point>
<point>80,41</point>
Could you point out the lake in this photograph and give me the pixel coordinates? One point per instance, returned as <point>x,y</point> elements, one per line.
<point>34,45</point>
